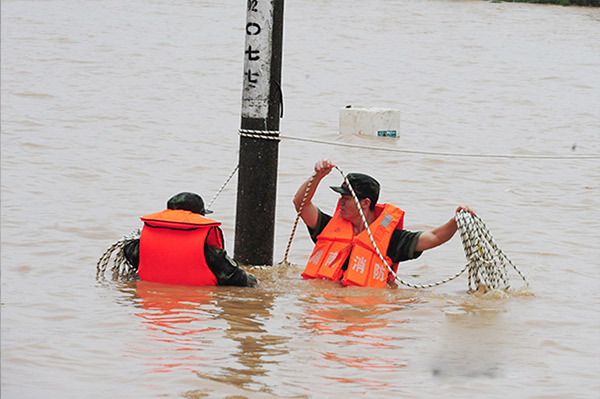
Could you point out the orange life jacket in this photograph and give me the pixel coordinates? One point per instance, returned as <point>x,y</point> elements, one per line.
<point>337,242</point>
<point>172,247</point>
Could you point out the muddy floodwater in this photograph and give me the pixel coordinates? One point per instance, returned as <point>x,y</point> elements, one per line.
<point>110,107</point>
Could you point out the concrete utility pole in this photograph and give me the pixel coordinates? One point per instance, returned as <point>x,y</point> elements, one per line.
<point>262,106</point>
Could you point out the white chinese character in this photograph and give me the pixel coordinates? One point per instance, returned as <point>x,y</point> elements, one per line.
<point>331,258</point>
<point>359,264</point>
<point>316,257</point>
<point>378,272</point>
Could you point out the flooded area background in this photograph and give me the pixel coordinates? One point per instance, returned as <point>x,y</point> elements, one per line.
<point>110,107</point>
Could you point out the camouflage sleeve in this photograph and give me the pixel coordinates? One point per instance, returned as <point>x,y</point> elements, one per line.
<point>131,250</point>
<point>227,270</point>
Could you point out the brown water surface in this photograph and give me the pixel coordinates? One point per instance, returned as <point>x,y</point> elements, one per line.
<point>110,107</point>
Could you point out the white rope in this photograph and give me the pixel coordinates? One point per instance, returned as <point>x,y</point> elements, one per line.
<point>274,135</point>
<point>300,208</point>
<point>440,154</point>
<point>362,215</point>
<point>260,134</point>
<point>223,186</point>
<point>121,266</point>
<point>485,261</point>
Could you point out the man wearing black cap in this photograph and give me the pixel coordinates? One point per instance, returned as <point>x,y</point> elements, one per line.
<point>344,249</point>
<point>181,246</point>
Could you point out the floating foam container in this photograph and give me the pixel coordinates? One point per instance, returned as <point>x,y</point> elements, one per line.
<point>379,122</point>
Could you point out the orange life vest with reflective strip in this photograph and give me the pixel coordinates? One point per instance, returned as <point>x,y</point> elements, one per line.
<point>337,243</point>
<point>172,247</point>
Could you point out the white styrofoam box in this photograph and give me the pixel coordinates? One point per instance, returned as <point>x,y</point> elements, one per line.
<point>370,121</point>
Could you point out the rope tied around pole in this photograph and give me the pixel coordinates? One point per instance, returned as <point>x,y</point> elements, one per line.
<point>260,134</point>
<point>485,261</point>
<point>275,135</point>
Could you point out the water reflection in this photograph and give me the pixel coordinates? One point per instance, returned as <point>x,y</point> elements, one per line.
<point>105,109</point>
<point>358,318</point>
<point>218,333</point>
<point>258,350</point>
<point>354,330</point>
<point>165,308</point>
<point>176,322</point>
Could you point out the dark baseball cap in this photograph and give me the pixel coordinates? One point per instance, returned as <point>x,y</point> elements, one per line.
<point>363,185</point>
<point>188,202</point>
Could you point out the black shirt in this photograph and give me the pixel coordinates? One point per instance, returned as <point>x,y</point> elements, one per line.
<point>402,243</point>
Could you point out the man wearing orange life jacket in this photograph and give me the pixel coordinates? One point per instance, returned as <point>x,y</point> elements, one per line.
<point>343,249</point>
<point>180,245</point>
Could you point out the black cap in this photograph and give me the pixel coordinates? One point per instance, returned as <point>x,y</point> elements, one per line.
<point>188,202</point>
<point>363,185</point>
